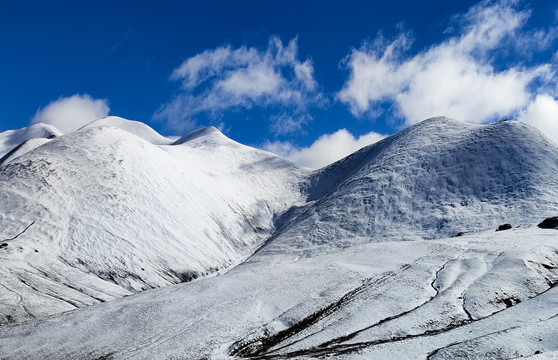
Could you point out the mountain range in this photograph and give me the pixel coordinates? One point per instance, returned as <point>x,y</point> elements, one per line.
<point>117,243</point>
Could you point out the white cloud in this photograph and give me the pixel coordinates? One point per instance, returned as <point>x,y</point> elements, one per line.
<point>543,114</point>
<point>324,151</point>
<point>70,113</point>
<point>224,78</point>
<point>455,78</point>
<point>285,123</point>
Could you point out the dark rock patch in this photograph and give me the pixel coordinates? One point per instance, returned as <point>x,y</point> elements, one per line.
<point>509,302</point>
<point>187,276</point>
<point>504,227</point>
<point>182,276</point>
<point>108,356</point>
<point>549,223</point>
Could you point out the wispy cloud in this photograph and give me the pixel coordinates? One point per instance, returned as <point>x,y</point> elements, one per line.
<point>70,113</point>
<point>114,48</point>
<point>324,151</point>
<point>456,78</point>
<point>225,79</point>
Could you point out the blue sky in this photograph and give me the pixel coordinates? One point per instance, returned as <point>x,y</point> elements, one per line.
<point>304,79</point>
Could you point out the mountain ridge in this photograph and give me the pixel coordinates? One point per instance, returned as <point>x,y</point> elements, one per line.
<point>117,209</point>
<point>112,208</point>
<point>352,261</point>
<point>433,180</point>
<point>11,139</point>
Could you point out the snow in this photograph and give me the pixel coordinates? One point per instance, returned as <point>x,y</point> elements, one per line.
<point>23,148</point>
<point>356,260</point>
<point>137,128</point>
<point>207,132</point>
<point>433,180</point>
<point>108,214</point>
<point>28,136</point>
<point>379,296</point>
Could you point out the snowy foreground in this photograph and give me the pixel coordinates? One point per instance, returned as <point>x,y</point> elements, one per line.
<point>356,260</point>
<point>486,295</point>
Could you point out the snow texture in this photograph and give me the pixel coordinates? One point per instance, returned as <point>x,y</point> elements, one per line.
<point>356,260</point>
<point>102,213</point>
<point>14,143</point>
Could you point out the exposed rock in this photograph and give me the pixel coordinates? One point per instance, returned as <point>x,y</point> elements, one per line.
<point>549,223</point>
<point>504,227</point>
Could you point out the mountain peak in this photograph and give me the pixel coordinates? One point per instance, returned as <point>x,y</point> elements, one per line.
<point>133,127</point>
<point>443,174</point>
<point>438,119</point>
<point>12,139</point>
<point>443,123</point>
<point>209,132</point>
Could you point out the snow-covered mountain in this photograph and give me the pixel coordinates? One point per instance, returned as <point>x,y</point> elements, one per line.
<point>433,180</point>
<point>108,210</point>
<point>356,260</point>
<point>14,143</point>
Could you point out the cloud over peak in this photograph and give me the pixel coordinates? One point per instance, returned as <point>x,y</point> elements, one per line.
<point>225,78</point>
<point>70,113</point>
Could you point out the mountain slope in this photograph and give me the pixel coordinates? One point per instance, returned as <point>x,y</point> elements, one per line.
<point>12,141</point>
<point>402,300</point>
<point>101,213</point>
<point>433,180</point>
<point>137,128</point>
<point>333,279</point>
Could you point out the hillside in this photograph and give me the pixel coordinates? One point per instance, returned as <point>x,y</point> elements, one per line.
<point>432,180</point>
<point>14,143</point>
<point>357,260</point>
<point>102,213</point>
<point>483,295</point>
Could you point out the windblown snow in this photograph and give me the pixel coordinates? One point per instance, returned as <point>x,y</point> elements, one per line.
<point>355,260</point>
